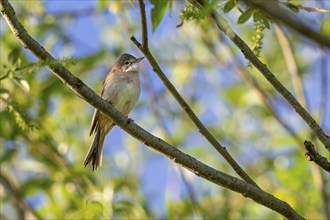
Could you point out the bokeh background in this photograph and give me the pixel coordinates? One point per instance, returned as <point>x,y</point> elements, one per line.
<point>45,126</point>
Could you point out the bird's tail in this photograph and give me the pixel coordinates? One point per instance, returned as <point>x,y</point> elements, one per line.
<point>94,154</point>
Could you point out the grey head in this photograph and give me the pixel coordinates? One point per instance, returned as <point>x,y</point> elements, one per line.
<point>127,63</point>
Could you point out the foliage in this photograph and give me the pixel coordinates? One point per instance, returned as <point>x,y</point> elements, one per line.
<point>44,126</point>
<point>158,12</point>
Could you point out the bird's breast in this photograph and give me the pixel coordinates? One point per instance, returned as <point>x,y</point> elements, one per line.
<point>123,92</point>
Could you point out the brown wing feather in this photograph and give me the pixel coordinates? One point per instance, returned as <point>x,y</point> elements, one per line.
<point>94,123</point>
<point>95,120</point>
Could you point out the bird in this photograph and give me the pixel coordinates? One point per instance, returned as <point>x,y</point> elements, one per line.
<point>121,88</point>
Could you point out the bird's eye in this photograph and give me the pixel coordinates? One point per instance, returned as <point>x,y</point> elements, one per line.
<point>126,63</point>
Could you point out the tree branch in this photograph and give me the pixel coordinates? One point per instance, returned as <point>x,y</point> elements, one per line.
<point>248,53</point>
<point>313,155</point>
<point>202,129</point>
<point>195,166</point>
<point>145,44</point>
<point>275,10</point>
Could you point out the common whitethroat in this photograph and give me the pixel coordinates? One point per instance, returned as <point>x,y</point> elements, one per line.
<point>121,87</point>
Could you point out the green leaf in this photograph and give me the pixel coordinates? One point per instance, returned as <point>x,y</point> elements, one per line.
<point>245,16</point>
<point>13,57</point>
<point>229,6</point>
<point>158,12</point>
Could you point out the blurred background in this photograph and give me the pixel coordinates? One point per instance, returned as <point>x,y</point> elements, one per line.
<point>45,126</point>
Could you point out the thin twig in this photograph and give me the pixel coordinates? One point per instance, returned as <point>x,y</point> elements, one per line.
<point>275,10</point>
<point>324,88</point>
<point>291,64</point>
<point>248,53</point>
<point>195,166</point>
<point>145,44</point>
<point>313,155</point>
<point>310,9</point>
<point>202,129</point>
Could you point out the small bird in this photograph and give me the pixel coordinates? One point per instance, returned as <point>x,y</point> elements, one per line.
<point>121,87</point>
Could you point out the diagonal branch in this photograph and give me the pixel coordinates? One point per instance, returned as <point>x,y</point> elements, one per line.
<point>248,53</point>
<point>144,25</point>
<point>202,129</point>
<point>190,163</point>
<point>275,10</point>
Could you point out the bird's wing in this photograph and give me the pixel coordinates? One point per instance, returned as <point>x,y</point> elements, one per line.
<point>94,123</point>
<point>95,119</point>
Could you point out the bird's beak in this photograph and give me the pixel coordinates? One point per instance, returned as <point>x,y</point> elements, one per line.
<point>138,60</point>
